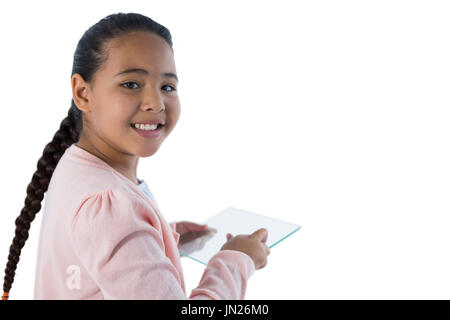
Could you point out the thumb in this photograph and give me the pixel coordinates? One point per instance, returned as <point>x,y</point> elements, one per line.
<point>261,234</point>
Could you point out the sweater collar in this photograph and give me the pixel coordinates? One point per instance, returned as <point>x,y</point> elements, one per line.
<point>89,158</point>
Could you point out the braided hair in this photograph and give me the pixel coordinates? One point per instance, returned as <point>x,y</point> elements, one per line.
<point>90,55</point>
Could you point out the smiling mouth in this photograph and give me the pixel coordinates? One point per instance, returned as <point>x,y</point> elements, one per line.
<point>133,126</point>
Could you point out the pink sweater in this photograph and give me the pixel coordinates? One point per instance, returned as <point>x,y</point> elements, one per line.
<point>102,237</point>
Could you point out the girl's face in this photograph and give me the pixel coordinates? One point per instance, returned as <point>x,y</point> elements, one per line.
<point>117,99</point>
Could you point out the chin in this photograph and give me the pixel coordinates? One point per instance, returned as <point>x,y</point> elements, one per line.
<point>147,153</point>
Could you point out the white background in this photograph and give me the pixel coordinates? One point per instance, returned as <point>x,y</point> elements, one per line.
<point>333,115</point>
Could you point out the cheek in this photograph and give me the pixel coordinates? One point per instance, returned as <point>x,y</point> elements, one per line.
<point>120,115</point>
<point>113,124</point>
<point>173,115</point>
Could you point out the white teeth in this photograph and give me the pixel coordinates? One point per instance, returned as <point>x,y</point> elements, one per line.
<point>145,126</point>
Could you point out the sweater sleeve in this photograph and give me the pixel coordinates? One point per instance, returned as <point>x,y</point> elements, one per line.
<point>125,255</point>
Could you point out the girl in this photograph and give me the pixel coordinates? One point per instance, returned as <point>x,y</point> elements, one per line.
<point>102,234</point>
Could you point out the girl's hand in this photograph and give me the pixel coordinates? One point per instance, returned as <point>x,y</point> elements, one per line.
<point>183,227</point>
<point>190,231</point>
<point>254,245</point>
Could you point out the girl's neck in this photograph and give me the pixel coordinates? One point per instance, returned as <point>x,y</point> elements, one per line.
<point>125,164</point>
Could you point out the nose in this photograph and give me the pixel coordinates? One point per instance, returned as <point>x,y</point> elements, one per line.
<point>154,107</point>
<point>153,101</point>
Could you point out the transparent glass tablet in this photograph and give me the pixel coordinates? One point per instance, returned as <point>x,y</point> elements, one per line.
<point>235,221</point>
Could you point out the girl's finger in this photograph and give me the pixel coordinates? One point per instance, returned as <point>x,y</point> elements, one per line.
<point>199,227</point>
<point>213,230</point>
<point>192,226</point>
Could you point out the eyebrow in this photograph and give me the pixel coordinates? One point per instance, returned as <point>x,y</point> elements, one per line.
<point>143,71</point>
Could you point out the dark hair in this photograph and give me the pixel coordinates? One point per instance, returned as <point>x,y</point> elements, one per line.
<point>90,55</point>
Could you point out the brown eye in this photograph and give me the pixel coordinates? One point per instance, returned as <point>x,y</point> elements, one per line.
<point>173,89</point>
<point>128,83</point>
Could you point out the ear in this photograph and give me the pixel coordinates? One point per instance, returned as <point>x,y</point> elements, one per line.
<point>79,92</point>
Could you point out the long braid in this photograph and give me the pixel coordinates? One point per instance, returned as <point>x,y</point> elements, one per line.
<point>66,135</point>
